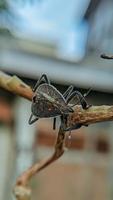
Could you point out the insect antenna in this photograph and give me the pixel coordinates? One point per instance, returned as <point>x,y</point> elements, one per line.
<point>43,78</point>
<point>54,123</point>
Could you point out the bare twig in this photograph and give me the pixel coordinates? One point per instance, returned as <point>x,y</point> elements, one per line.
<point>21,190</point>
<point>15,85</point>
<point>93,115</point>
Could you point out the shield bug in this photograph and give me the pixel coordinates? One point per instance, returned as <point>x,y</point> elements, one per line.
<point>49,102</point>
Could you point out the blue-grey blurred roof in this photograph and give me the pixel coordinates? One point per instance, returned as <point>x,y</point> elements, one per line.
<point>53,37</point>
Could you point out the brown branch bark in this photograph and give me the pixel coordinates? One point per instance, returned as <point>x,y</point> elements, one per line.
<point>93,115</point>
<point>15,85</point>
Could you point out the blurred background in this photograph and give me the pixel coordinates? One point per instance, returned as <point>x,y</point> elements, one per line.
<point>64,40</point>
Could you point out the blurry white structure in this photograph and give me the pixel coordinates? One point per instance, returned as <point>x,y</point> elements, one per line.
<point>6,161</point>
<point>25,136</point>
<point>101,34</point>
<point>60,22</point>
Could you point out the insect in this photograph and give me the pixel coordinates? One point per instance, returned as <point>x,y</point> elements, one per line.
<point>104,56</point>
<point>49,102</point>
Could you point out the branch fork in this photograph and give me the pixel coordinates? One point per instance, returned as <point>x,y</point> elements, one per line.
<point>94,114</point>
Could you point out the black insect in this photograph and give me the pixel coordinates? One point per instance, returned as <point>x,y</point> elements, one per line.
<point>49,102</point>
<point>104,56</point>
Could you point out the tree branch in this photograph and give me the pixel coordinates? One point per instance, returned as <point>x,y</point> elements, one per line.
<point>85,117</point>
<point>21,189</point>
<point>93,115</point>
<point>15,85</point>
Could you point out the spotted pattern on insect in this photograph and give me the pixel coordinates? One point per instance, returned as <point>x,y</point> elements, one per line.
<point>49,106</point>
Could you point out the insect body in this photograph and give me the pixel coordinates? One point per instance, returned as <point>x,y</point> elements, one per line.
<point>49,102</point>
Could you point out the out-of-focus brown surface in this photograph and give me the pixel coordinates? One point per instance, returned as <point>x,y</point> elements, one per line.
<point>6,113</point>
<point>70,182</point>
<point>46,137</point>
<point>79,176</point>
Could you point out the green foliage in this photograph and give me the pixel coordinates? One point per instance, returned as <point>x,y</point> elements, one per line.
<point>3,4</point>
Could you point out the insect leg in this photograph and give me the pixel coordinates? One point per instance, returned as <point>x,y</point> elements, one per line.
<point>54,123</point>
<point>68,91</point>
<point>81,99</point>
<point>43,77</point>
<point>31,121</point>
<point>63,119</point>
<point>86,94</point>
<point>76,126</point>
